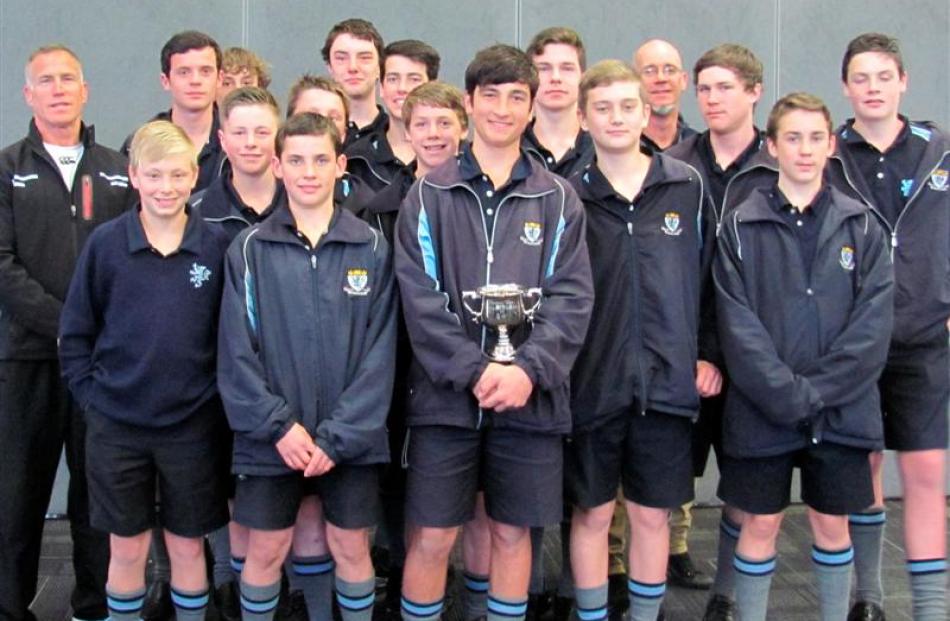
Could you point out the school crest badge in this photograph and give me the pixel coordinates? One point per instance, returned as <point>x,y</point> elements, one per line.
<point>671,224</point>
<point>846,260</point>
<point>357,280</point>
<point>938,180</point>
<point>199,275</point>
<point>532,234</point>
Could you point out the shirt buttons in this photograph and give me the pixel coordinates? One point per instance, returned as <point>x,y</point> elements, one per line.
<point>489,211</point>
<point>484,178</point>
<point>809,291</point>
<point>631,207</point>
<point>799,223</point>
<point>489,193</point>
<point>550,160</point>
<point>880,175</point>
<point>880,159</point>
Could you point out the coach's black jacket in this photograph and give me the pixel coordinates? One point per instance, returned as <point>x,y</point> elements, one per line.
<point>641,347</point>
<point>920,240</point>
<point>307,336</point>
<point>803,353</point>
<point>43,227</point>
<point>443,248</point>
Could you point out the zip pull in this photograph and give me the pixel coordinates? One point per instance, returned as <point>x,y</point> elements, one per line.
<point>72,210</point>
<point>630,228</point>
<point>491,256</point>
<point>894,239</point>
<point>313,261</point>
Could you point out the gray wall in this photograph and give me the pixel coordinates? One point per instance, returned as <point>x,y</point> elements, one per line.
<point>800,41</point>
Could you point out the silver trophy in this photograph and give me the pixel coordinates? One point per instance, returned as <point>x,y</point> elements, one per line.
<point>503,306</point>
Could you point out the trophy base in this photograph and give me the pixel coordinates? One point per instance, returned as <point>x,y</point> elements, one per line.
<point>503,353</point>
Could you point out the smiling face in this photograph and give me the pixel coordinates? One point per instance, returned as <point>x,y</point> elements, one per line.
<point>499,113</point>
<point>434,134</point>
<point>354,65</point>
<point>874,86</point>
<point>559,74</point>
<point>726,104</point>
<point>661,70</point>
<point>615,117</point>
<point>192,79</point>
<point>402,75</point>
<point>802,145</point>
<point>309,168</point>
<point>55,90</point>
<point>164,185</point>
<point>247,137</point>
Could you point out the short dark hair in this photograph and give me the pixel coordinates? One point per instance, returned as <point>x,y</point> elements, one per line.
<point>558,34</point>
<point>309,81</point>
<point>238,59</point>
<point>416,51</point>
<point>308,124</point>
<point>185,42</point>
<point>248,96</point>
<point>359,28</point>
<point>872,42</point>
<point>736,58</point>
<point>792,102</point>
<point>500,64</point>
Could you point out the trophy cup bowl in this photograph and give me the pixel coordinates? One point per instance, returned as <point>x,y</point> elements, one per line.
<point>502,307</point>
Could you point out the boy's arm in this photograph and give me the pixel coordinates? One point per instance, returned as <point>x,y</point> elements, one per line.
<point>79,327</point>
<point>560,323</point>
<point>358,419</point>
<point>25,299</point>
<point>252,409</point>
<point>439,341</point>
<point>855,359</point>
<point>754,366</point>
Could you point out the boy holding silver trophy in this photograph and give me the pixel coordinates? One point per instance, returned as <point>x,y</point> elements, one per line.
<point>489,217</point>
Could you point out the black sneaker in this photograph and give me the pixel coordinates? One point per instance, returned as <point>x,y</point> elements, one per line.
<point>681,572</point>
<point>157,605</point>
<point>720,608</point>
<point>227,598</point>
<point>618,601</point>
<point>866,611</point>
<point>562,608</point>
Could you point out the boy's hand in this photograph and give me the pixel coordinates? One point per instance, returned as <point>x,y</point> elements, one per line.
<point>502,387</point>
<point>708,379</point>
<point>296,447</point>
<point>320,463</point>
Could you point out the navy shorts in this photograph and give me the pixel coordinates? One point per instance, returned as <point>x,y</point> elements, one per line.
<point>836,480</point>
<point>650,455</point>
<point>520,473</point>
<point>349,495</point>
<point>915,390</point>
<point>185,463</point>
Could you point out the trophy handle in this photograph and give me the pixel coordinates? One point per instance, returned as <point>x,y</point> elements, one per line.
<point>529,311</point>
<point>471,295</point>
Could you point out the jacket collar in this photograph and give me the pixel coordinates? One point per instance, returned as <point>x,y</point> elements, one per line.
<point>87,136</point>
<point>344,227</point>
<point>390,197</point>
<point>663,169</point>
<point>537,181</point>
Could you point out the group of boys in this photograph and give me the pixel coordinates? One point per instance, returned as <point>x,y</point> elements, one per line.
<point>282,307</point>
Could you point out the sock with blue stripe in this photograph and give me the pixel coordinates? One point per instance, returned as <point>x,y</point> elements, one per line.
<point>237,566</point>
<point>591,603</point>
<point>125,606</point>
<point>190,605</point>
<point>724,582</point>
<point>415,611</point>
<point>833,575</point>
<point>753,581</point>
<point>645,599</point>
<point>313,575</point>
<point>504,609</point>
<point>258,603</point>
<point>928,589</point>
<point>867,538</point>
<point>356,599</point>
<point>475,598</point>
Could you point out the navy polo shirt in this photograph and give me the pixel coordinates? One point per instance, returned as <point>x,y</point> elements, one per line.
<point>600,187</point>
<point>138,333</point>
<point>683,131</point>
<point>488,195</point>
<point>806,223</point>
<point>355,132</point>
<point>889,173</point>
<point>720,177</point>
<point>248,212</point>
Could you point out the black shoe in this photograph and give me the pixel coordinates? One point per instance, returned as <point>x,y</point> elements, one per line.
<point>389,608</point>
<point>561,610</point>
<point>720,608</point>
<point>618,601</point>
<point>540,606</point>
<point>227,598</point>
<point>157,605</point>
<point>291,607</point>
<point>866,611</point>
<point>681,572</point>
